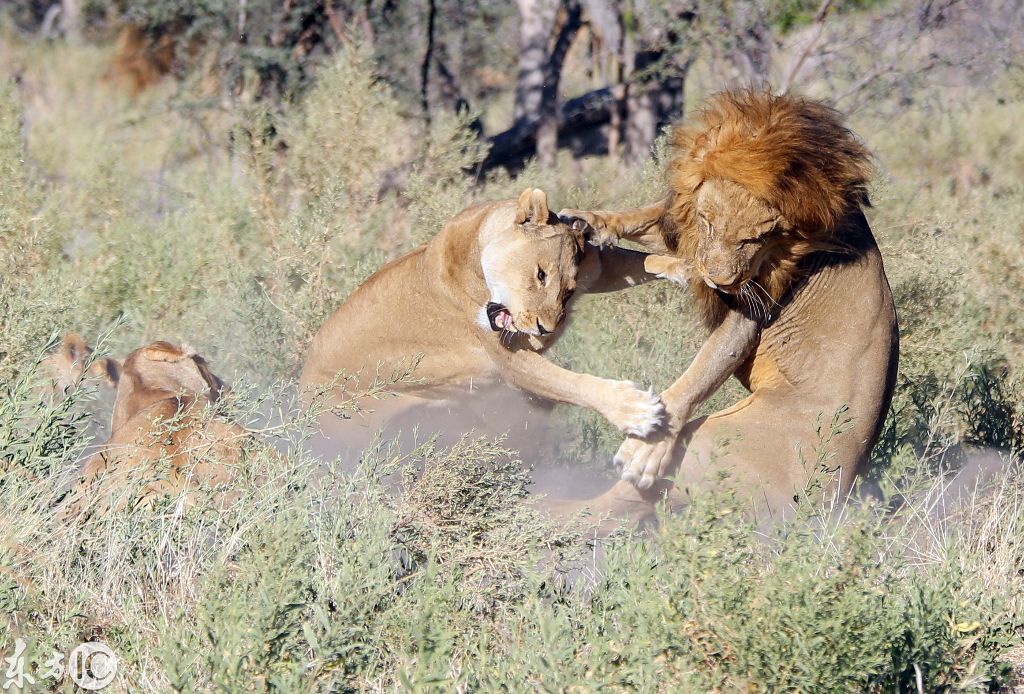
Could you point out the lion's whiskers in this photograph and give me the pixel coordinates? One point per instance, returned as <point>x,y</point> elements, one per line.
<point>766,306</point>
<point>751,300</point>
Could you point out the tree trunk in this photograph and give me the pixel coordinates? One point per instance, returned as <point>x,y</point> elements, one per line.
<point>650,106</point>
<point>607,32</point>
<point>535,28</point>
<point>636,108</point>
<point>71,20</point>
<point>641,124</point>
<point>547,131</point>
<point>546,33</point>
<point>577,117</point>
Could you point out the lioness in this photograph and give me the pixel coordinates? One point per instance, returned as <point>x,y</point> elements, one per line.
<point>479,303</point>
<point>159,414</point>
<point>764,223</point>
<point>72,361</point>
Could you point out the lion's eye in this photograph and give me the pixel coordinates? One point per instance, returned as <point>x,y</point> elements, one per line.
<point>766,228</point>
<point>541,275</point>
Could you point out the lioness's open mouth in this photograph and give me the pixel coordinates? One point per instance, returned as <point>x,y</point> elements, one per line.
<point>499,317</point>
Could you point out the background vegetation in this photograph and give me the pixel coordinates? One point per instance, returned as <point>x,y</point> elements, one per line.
<point>239,192</point>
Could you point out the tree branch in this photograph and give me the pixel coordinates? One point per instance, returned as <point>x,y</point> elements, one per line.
<point>819,21</point>
<point>427,58</point>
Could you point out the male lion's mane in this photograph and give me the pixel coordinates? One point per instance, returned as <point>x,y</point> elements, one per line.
<point>792,153</point>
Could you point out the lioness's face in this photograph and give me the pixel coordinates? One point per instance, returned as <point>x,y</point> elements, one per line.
<point>173,368</point>
<point>531,270</point>
<point>736,233</point>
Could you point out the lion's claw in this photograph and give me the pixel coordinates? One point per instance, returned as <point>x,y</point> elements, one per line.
<point>596,233</point>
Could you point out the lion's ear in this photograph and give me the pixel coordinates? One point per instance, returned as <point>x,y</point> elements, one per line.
<point>532,207</point>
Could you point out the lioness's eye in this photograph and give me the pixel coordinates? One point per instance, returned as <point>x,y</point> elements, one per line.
<point>541,275</point>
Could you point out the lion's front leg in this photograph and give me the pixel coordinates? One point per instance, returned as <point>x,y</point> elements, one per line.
<point>726,348</point>
<point>606,228</point>
<point>645,460</point>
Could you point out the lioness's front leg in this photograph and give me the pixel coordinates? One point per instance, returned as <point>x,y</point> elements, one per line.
<point>635,411</point>
<point>643,225</point>
<point>726,348</point>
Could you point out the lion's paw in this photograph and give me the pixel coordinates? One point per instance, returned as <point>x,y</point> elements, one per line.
<point>643,462</point>
<point>636,411</point>
<point>668,267</point>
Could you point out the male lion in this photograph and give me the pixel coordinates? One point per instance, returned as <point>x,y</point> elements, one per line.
<point>160,414</point>
<point>764,222</point>
<point>478,304</point>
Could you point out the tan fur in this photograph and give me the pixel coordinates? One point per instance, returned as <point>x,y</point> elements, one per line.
<point>764,223</point>
<point>432,302</point>
<point>72,361</point>
<point>141,59</point>
<point>161,416</point>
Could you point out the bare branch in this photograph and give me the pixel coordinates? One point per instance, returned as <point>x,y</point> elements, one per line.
<point>819,21</point>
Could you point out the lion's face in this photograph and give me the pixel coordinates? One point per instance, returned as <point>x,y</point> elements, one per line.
<point>530,269</point>
<point>737,232</point>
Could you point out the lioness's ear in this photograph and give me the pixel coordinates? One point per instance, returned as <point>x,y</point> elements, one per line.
<point>67,362</point>
<point>532,207</point>
<point>108,369</point>
<point>165,351</point>
<point>579,237</point>
<point>214,383</point>
<point>73,347</point>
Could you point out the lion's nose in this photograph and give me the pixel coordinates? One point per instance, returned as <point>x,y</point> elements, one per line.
<point>722,280</point>
<point>541,329</point>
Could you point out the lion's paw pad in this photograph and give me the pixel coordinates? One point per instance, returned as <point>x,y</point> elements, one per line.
<point>638,412</point>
